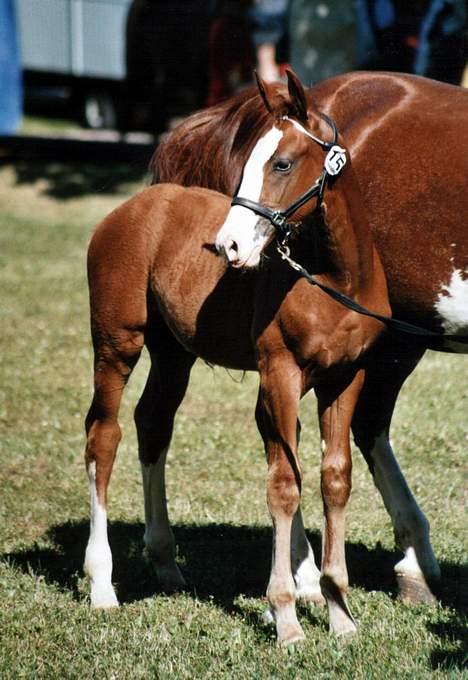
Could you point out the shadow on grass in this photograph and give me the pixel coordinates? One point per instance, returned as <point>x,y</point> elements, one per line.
<point>220,562</point>
<point>74,180</point>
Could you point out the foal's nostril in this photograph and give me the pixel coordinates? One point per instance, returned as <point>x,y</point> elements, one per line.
<point>231,249</point>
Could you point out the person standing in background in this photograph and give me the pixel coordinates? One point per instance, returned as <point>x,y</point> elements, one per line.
<point>322,38</point>
<point>426,37</point>
<point>246,35</point>
<point>166,60</point>
<point>269,27</point>
<point>231,53</point>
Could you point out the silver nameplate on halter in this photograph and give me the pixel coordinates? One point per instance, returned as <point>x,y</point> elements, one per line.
<point>335,160</point>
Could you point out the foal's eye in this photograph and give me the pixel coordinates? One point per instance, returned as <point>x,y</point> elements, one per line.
<point>282,165</point>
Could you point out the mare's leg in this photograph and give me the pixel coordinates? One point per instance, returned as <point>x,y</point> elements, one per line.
<point>154,418</point>
<point>305,572</point>
<point>390,364</point>
<point>116,352</point>
<point>336,406</point>
<point>280,385</point>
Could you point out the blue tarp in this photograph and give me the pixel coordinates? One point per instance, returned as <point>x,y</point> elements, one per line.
<point>11,95</point>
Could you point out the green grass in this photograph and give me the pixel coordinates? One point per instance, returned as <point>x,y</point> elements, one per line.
<point>33,125</point>
<point>215,485</point>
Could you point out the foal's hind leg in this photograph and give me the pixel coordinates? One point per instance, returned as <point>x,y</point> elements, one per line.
<point>115,356</point>
<point>154,418</point>
<point>389,366</point>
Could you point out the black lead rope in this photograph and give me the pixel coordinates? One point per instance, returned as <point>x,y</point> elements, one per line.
<point>396,324</point>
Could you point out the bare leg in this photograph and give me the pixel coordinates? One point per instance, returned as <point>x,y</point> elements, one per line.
<point>389,366</point>
<point>154,417</point>
<point>278,404</point>
<point>336,406</point>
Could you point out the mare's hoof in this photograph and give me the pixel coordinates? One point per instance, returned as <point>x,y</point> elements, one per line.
<point>344,633</point>
<point>288,628</point>
<point>290,635</point>
<point>169,577</point>
<point>342,623</point>
<point>415,590</point>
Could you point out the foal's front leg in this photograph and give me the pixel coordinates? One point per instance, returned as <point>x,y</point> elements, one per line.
<point>305,572</point>
<point>336,407</point>
<point>280,384</point>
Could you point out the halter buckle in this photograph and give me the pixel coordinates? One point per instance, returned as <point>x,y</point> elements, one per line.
<point>280,223</point>
<point>278,220</point>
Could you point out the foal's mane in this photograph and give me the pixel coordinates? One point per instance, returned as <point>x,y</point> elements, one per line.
<point>211,147</point>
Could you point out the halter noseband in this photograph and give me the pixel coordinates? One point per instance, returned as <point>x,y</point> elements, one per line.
<point>334,161</point>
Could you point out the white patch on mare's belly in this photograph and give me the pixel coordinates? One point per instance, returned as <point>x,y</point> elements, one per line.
<point>452,304</point>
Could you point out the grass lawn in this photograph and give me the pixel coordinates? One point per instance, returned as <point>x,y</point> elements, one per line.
<point>216,491</point>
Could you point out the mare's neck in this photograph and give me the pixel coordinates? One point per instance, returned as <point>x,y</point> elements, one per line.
<point>350,245</point>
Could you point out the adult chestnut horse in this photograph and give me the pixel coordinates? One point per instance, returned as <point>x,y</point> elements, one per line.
<point>408,143</point>
<point>156,278</point>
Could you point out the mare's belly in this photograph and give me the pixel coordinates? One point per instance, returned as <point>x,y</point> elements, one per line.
<point>451,306</point>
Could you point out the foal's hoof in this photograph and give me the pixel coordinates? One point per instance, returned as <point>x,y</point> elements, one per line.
<point>103,598</point>
<point>415,590</point>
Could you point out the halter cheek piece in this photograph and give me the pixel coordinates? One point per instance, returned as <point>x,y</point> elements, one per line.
<point>334,161</point>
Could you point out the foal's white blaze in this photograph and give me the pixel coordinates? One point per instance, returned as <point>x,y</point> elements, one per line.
<point>98,558</point>
<point>452,305</point>
<point>243,235</point>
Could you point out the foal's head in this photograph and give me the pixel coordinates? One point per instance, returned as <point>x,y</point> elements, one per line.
<point>283,165</point>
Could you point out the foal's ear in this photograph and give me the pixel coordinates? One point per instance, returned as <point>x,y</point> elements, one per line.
<point>297,94</point>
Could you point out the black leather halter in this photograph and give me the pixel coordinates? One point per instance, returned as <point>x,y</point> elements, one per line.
<point>279,218</point>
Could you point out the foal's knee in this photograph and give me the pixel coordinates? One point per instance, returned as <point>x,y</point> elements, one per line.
<point>336,481</point>
<point>283,491</point>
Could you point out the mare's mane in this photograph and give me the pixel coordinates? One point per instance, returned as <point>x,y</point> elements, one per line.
<point>219,138</point>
